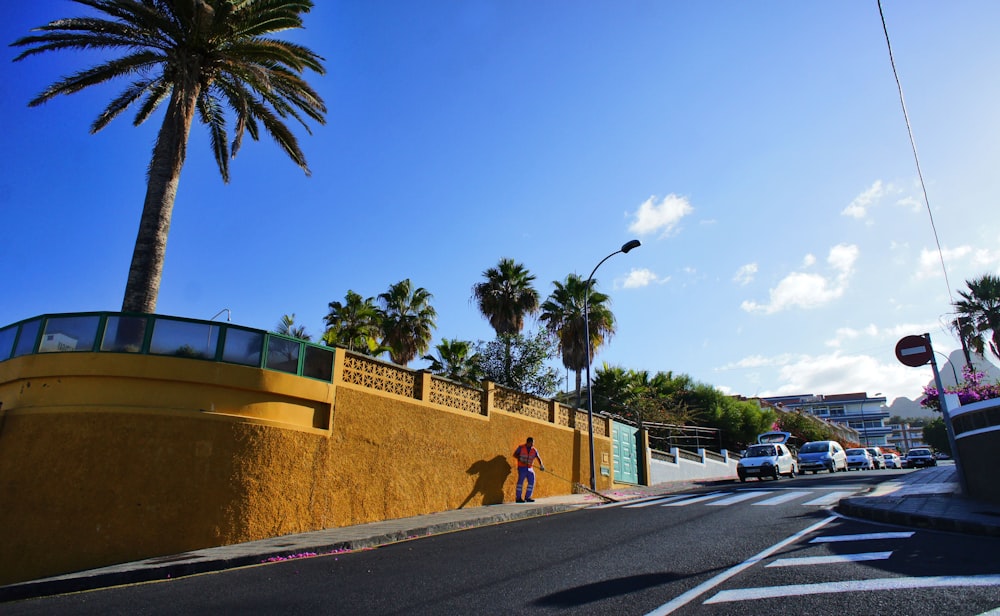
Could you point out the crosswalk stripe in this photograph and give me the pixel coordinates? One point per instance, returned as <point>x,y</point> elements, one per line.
<point>863,537</point>
<point>658,501</point>
<point>828,499</point>
<point>784,498</point>
<point>900,583</point>
<point>828,560</point>
<point>697,499</point>
<point>738,498</point>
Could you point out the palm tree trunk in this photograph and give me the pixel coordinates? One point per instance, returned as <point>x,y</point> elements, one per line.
<point>146,269</point>
<point>507,360</point>
<point>579,388</point>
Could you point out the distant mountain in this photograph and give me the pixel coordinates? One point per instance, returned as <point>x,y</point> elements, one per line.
<point>904,407</point>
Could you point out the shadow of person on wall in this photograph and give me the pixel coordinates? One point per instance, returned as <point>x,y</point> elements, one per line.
<point>490,477</point>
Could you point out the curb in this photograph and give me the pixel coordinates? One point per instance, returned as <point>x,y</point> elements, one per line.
<point>889,514</point>
<point>84,581</point>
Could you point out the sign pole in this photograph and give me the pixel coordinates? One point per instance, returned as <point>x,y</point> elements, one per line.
<point>947,417</point>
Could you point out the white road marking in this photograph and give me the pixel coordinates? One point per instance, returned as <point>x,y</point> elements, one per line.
<point>828,560</point>
<point>901,583</point>
<point>685,598</point>
<point>784,498</point>
<point>829,499</point>
<point>656,501</point>
<point>863,537</point>
<point>697,499</point>
<point>739,498</point>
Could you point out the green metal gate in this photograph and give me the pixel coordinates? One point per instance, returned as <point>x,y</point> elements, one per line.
<point>625,445</point>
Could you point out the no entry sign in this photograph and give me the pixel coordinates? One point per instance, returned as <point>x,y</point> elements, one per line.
<point>914,351</point>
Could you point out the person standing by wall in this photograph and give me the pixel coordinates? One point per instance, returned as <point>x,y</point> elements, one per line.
<point>526,455</point>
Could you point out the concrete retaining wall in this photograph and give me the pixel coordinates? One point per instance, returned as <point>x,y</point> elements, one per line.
<point>111,457</point>
<point>681,465</point>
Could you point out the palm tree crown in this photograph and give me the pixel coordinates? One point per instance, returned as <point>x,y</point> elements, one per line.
<point>457,361</point>
<point>287,327</point>
<point>407,321</point>
<point>506,297</point>
<point>563,315</point>
<point>200,57</point>
<point>979,314</point>
<point>355,324</point>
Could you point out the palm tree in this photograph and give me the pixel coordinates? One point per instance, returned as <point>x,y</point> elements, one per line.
<point>505,298</point>
<point>355,324</point>
<point>563,316</point>
<point>198,56</point>
<point>979,311</point>
<point>456,361</point>
<point>287,327</point>
<point>407,321</point>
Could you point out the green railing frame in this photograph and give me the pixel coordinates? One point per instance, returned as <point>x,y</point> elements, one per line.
<point>11,339</point>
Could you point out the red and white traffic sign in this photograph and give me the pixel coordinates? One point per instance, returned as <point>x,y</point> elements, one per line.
<point>914,351</point>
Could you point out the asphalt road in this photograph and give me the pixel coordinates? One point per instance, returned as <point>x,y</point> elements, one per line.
<point>742,549</point>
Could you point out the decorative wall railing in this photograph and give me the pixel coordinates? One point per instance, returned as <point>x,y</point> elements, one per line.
<point>153,334</point>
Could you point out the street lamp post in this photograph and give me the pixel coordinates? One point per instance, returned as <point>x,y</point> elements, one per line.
<point>864,426</point>
<point>627,246</point>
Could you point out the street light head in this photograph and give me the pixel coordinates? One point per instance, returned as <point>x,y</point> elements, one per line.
<point>630,245</point>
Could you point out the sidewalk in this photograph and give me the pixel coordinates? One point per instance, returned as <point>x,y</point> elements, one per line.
<point>927,498</point>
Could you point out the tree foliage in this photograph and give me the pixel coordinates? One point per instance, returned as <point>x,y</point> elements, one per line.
<point>677,399</point>
<point>936,435</point>
<point>529,356</point>
<point>804,426</point>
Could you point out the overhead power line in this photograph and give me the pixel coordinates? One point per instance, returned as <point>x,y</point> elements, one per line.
<point>913,145</point>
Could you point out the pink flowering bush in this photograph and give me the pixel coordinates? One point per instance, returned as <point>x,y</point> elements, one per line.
<point>971,389</point>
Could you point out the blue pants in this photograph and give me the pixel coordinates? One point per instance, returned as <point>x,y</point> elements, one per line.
<point>525,473</point>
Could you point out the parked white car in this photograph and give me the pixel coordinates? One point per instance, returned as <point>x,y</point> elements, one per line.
<point>767,460</point>
<point>892,460</point>
<point>860,459</point>
<point>878,458</point>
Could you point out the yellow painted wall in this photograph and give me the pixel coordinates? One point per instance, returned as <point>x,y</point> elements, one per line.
<point>109,458</point>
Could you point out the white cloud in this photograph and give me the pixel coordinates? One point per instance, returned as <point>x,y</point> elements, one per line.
<point>986,258</point>
<point>804,290</point>
<point>849,333</point>
<point>858,208</point>
<point>930,260</point>
<point>745,274</point>
<point>641,278</point>
<point>809,260</point>
<point>758,361</point>
<point>910,203</point>
<point>837,374</point>
<point>842,258</point>
<point>663,217</point>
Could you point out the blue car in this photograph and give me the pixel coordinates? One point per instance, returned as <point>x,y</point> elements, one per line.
<point>818,456</point>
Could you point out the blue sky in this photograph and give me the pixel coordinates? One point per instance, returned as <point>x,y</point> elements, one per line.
<point>757,149</point>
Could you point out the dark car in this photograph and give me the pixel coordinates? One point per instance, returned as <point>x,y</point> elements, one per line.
<point>919,457</point>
